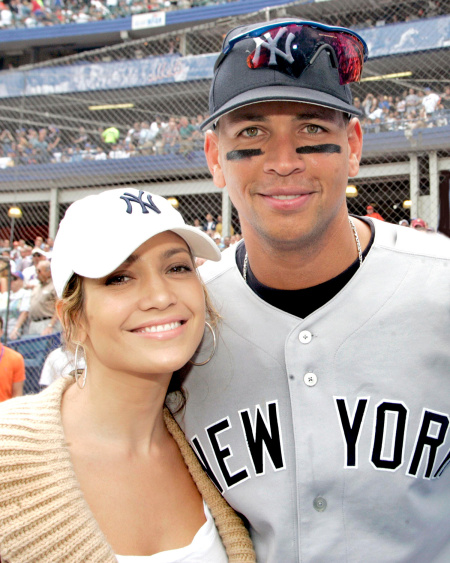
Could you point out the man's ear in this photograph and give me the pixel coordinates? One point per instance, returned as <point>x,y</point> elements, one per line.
<point>212,158</point>
<point>355,143</point>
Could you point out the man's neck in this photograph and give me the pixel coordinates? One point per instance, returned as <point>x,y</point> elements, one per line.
<point>303,266</point>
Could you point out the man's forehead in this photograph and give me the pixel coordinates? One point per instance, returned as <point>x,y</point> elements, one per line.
<point>266,110</point>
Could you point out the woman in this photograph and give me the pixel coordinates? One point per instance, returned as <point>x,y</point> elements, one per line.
<point>94,468</point>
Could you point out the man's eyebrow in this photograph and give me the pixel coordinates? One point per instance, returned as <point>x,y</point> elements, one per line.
<point>324,115</point>
<point>239,117</point>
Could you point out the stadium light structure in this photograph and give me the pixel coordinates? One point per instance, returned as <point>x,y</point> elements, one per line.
<point>173,202</point>
<point>351,191</point>
<point>111,106</point>
<point>404,74</point>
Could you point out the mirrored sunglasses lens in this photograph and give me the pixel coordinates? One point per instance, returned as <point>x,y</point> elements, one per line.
<point>290,48</point>
<point>350,55</point>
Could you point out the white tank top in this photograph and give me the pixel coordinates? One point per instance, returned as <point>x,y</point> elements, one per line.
<point>206,546</point>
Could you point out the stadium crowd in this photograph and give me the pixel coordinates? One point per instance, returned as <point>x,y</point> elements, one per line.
<point>182,135</point>
<point>37,13</point>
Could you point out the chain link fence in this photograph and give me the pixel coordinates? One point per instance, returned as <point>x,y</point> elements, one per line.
<point>129,116</point>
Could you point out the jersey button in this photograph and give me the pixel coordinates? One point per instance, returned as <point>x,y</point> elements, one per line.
<point>319,504</point>
<point>305,337</point>
<point>310,379</point>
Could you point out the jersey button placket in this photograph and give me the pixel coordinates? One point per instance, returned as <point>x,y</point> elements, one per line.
<point>310,379</point>
<point>305,337</point>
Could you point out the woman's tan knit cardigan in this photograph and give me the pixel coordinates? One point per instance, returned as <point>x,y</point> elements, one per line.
<point>43,515</point>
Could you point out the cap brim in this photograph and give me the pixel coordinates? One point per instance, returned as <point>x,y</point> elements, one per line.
<point>201,245</point>
<point>282,94</point>
<point>199,242</point>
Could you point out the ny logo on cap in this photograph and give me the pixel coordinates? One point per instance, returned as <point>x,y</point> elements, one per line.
<point>130,198</point>
<point>271,44</point>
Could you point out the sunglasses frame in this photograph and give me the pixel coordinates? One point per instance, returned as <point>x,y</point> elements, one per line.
<point>260,30</point>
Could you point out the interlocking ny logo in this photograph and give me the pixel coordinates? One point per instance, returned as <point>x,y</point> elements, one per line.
<point>271,44</point>
<point>130,198</point>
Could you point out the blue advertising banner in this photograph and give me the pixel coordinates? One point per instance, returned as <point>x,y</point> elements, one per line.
<point>407,37</point>
<point>106,76</point>
<point>387,40</point>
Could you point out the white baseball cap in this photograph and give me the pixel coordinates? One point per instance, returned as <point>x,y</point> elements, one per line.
<point>99,232</point>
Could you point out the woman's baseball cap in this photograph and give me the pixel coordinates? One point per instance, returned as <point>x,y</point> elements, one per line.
<point>286,60</point>
<point>99,232</point>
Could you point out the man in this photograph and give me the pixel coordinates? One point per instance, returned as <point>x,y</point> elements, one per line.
<point>209,224</point>
<point>29,274</point>
<point>372,213</point>
<point>430,102</point>
<point>19,306</point>
<point>43,316</point>
<point>418,224</point>
<point>324,414</point>
<point>12,371</point>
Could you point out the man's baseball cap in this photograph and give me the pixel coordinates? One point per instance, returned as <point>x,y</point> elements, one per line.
<point>100,231</point>
<point>286,60</point>
<point>17,275</point>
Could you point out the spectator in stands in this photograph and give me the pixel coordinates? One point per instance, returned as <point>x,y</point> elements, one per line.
<point>197,135</point>
<point>19,306</point>
<point>119,151</point>
<point>133,134</point>
<point>197,224</point>
<point>6,15</point>
<point>209,224</point>
<point>81,138</point>
<point>12,371</point>
<point>27,259</point>
<point>147,138</point>
<point>430,102</point>
<point>186,131</point>
<point>170,137</point>
<point>110,136</point>
<point>43,317</point>
<point>419,224</point>
<point>7,141</point>
<point>412,102</point>
<point>372,213</point>
<point>30,273</point>
<point>400,104</point>
<point>369,104</point>
<point>53,138</point>
<point>445,98</point>
<point>403,223</point>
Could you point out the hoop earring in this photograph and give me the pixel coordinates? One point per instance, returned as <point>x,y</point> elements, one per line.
<point>81,381</point>
<point>214,347</point>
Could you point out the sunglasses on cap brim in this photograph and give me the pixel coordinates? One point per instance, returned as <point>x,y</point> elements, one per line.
<point>291,46</point>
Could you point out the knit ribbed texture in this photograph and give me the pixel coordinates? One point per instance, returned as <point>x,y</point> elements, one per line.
<point>43,515</point>
<point>234,535</point>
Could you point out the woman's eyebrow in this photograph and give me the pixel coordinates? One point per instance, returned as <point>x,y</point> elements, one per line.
<point>172,251</point>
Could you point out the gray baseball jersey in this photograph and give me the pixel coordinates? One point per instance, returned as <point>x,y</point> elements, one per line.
<point>330,434</point>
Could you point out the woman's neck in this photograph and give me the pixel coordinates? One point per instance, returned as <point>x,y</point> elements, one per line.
<point>124,412</point>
